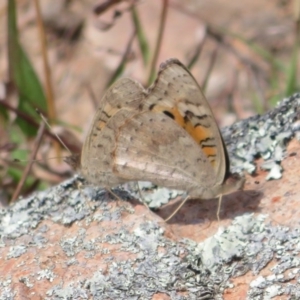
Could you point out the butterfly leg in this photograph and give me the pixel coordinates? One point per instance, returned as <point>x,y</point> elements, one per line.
<point>177,209</point>
<point>219,207</point>
<point>141,196</point>
<point>126,206</point>
<point>79,186</point>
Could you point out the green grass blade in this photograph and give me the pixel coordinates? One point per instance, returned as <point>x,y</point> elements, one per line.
<point>22,73</point>
<point>142,41</point>
<point>266,55</point>
<point>117,73</point>
<point>291,84</point>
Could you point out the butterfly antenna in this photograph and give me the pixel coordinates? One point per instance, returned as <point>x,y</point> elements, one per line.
<point>49,126</point>
<point>177,209</point>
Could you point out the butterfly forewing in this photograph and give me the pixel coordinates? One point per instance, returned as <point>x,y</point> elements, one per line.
<point>151,148</point>
<point>177,94</point>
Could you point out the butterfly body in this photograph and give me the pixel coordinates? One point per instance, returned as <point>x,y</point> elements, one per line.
<point>166,134</point>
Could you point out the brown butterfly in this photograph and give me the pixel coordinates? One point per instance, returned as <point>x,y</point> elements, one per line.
<point>165,134</point>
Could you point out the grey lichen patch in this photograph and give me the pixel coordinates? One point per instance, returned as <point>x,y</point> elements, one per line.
<point>16,251</point>
<point>73,245</point>
<point>26,280</point>
<point>275,170</point>
<point>204,270</point>
<point>263,136</point>
<point>158,265</point>
<point>72,261</point>
<point>46,274</point>
<point>78,243</point>
<point>72,291</point>
<point>250,245</point>
<point>63,204</point>
<point>144,238</point>
<point>151,195</point>
<point>150,271</point>
<point>231,242</point>
<point>6,291</point>
<point>162,196</point>
<point>182,270</point>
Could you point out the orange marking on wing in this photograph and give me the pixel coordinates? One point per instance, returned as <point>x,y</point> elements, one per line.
<point>199,133</point>
<point>101,125</point>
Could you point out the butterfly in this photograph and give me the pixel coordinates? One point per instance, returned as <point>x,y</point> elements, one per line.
<point>165,134</point>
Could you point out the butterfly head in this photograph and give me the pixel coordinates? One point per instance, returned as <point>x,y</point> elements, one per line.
<point>232,183</point>
<point>73,161</point>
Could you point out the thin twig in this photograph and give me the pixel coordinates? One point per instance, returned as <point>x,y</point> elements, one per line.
<point>210,67</point>
<point>217,34</point>
<point>259,91</point>
<point>47,69</point>
<point>142,40</point>
<point>92,95</point>
<point>33,123</point>
<point>103,6</point>
<point>197,52</point>
<point>227,45</point>
<point>158,41</point>
<point>37,144</point>
<point>20,113</point>
<point>48,84</point>
<point>121,66</point>
<point>49,126</point>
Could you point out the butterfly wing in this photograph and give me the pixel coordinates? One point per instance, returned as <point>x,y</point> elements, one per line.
<point>142,135</point>
<point>96,162</point>
<point>150,147</point>
<point>177,94</point>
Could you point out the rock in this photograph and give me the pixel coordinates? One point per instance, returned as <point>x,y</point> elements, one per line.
<point>82,243</point>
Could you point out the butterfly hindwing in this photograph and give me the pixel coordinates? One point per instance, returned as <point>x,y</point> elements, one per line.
<point>150,147</point>
<point>96,155</point>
